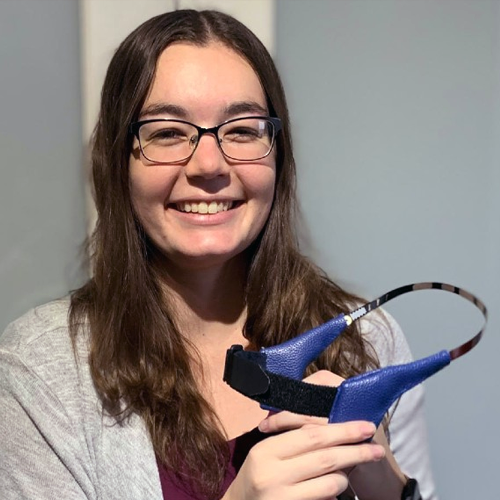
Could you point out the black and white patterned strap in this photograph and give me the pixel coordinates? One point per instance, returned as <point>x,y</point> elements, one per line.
<point>454,353</point>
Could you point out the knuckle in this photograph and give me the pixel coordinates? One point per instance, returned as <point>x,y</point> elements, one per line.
<point>258,477</point>
<point>256,452</point>
<point>367,453</point>
<point>335,484</point>
<point>309,420</point>
<point>327,462</point>
<point>314,434</point>
<point>258,485</point>
<point>278,420</point>
<point>355,432</point>
<point>264,483</point>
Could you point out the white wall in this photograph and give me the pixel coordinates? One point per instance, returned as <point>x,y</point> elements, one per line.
<point>396,109</point>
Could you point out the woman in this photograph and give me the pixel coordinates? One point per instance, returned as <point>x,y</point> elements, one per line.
<point>117,392</point>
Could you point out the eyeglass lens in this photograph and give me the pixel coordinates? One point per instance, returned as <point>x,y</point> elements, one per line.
<point>167,141</point>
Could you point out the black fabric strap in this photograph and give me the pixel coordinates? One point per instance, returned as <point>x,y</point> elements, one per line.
<point>244,373</point>
<point>298,397</point>
<point>411,490</point>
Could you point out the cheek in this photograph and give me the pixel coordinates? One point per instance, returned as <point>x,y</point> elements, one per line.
<point>267,191</point>
<point>261,189</point>
<point>149,190</point>
<point>259,182</point>
<point>149,187</point>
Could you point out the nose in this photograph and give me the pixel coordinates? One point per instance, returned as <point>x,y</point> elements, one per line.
<point>207,160</point>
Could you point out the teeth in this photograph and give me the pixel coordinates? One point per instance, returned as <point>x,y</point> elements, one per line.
<point>204,208</point>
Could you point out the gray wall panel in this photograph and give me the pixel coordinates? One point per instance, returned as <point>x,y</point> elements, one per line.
<point>42,210</point>
<point>396,113</point>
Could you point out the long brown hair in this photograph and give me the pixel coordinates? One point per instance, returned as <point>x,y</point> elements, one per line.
<point>139,361</point>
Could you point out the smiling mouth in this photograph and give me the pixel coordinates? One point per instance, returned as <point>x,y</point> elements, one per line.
<point>203,207</point>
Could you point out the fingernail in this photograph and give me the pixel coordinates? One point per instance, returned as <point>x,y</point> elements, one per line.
<point>378,452</point>
<point>369,429</point>
<point>264,426</point>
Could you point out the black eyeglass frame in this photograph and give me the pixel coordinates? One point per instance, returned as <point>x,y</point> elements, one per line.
<point>274,121</point>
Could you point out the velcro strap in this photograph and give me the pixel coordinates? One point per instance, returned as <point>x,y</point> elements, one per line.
<point>244,373</point>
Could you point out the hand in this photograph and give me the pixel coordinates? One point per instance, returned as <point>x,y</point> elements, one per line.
<point>372,480</point>
<point>381,481</point>
<point>307,460</point>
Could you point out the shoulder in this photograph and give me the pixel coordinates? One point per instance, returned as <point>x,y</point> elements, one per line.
<point>382,332</point>
<point>39,335</point>
<point>37,355</point>
<point>36,323</point>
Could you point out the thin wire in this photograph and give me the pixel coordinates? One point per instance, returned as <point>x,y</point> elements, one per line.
<point>454,353</point>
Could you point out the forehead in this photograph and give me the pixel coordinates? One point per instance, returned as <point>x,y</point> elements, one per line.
<point>203,80</point>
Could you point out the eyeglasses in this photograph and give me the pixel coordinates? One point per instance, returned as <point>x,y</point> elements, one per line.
<point>164,140</point>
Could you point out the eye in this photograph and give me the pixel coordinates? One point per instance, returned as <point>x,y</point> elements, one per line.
<point>167,135</point>
<point>242,133</point>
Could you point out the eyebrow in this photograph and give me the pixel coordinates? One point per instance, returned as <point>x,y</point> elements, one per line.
<point>158,109</point>
<point>233,109</point>
<point>240,107</point>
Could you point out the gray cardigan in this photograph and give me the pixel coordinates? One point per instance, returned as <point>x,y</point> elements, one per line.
<point>55,442</point>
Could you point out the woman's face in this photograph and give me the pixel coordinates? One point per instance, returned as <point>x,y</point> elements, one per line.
<point>206,86</point>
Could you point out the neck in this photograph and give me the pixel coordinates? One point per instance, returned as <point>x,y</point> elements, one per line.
<point>210,302</point>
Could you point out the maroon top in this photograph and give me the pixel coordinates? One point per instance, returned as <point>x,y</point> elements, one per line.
<point>173,490</point>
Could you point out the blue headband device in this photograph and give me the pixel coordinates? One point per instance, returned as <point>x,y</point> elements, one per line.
<point>272,376</point>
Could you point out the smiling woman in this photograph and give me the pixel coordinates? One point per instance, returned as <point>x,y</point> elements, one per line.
<point>195,249</point>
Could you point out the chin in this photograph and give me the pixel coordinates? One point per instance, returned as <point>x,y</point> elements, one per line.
<point>204,258</point>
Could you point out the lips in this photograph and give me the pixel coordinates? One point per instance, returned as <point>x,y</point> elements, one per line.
<point>203,207</point>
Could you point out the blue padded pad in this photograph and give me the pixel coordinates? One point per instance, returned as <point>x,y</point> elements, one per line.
<point>370,395</point>
<point>292,357</point>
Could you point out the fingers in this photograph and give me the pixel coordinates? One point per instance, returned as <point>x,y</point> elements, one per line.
<point>329,460</point>
<point>285,421</point>
<point>306,463</point>
<point>313,437</point>
<point>325,487</point>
